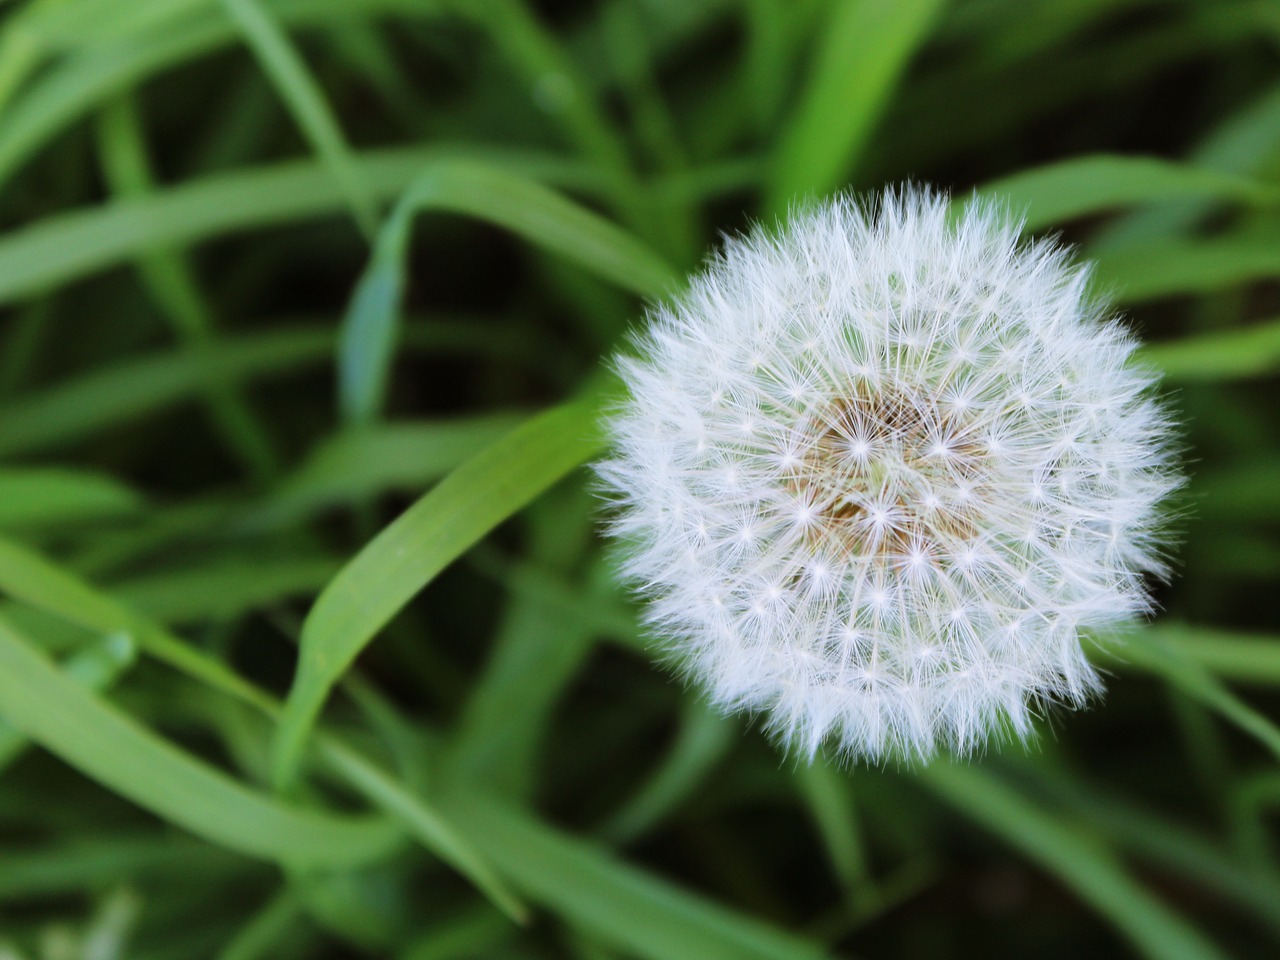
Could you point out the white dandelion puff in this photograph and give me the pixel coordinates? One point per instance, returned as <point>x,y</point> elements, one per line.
<point>878,470</point>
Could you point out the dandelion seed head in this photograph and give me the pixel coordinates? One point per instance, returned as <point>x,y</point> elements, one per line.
<point>880,468</point>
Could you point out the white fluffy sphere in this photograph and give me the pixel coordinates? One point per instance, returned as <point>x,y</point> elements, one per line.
<point>879,469</point>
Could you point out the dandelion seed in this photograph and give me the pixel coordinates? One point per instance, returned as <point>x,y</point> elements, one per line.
<point>918,464</point>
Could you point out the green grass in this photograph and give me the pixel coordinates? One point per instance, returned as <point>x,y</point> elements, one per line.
<point>308,644</point>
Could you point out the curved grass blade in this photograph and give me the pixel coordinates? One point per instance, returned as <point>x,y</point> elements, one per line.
<point>496,196</point>
<point>865,48</point>
<point>1245,658</point>
<point>172,284</point>
<point>421,542</point>
<point>703,740</point>
<point>127,758</point>
<point>1251,351</point>
<point>63,248</point>
<point>1150,650</point>
<point>68,90</point>
<point>1081,186</point>
<point>394,456</point>
<point>310,110</point>
<point>639,913</point>
<point>1075,857</point>
<point>98,665</point>
<point>50,496</point>
<point>1187,267</point>
<point>71,410</point>
<point>26,576</point>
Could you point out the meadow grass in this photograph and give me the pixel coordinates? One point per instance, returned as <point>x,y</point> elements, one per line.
<point>308,645</point>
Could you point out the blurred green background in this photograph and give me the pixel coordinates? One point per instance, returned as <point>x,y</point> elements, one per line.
<point>306,305</point>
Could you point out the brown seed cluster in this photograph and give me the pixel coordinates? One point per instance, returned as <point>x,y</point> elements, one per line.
<point>887,475</point>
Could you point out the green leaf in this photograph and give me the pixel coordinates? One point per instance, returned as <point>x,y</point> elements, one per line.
<point>1075,857</point>
<point>96,666</point>
<point>79,407</point>
<point>1082,186</point>
<point>1187,267</point>
<point>49,496</point>
<point>1251,351</point>
<point>421,542</point>
<point>58,249</point>
<point>864,48</point>
<point>497,196</point>
<point>1151,650</point>
<point>704,739</point>
<point>1246,658</point>
<point>222,588</point>
<point>354,464</point>
<point>829,795</point>
<point>624,906</point>
<point>28,577</point>
<point>306,102</point>
<point>70,88</point>
<point>127,758</point>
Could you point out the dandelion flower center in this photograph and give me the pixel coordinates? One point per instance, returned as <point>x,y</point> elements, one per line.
<point>880,470</point>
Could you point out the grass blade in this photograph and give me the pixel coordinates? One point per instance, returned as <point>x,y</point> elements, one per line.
<point>1188,267</point>
<point>75,409</point>
<point>59,249</point>
<point>624,906</point>
<point>302,95</point>
<point>1251,351</point>
<point>421,542</point>
<point>46,496</point>
<point>865,47</point>
<point>127,758</point>
<point>1082,186</point>
<point>1075,857</point>
<point>96,666</point>
<point>1150,650</point>
<point>172,284</point>
<point>497,196</point>
<point>30,578</point>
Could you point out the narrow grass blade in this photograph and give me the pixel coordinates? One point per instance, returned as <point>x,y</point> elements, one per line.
<point>1243,145</point>
<point>30,578</point>
<point>127,758</point>
<point>1150,651</point>
<point>260,936</point>
<point>625,907</point>
<point>395,456</point>
<point>829,796</point>
<point>172,284</point>
<point>864,48</point>
<point>50,496</point>
<point>1245,658</point>
<point>1251,351</point>
<point>1082,186</point>
<point>424,823</point>
<point>78,408</point>
<point>1188,267</point>
<point>407,555</point>
<point>1075,857</point>
<point>703,740</point>
<point>70,88</point>
<point>59,249</point>
<point>223,588</point>
<point>497,196</point>
<point>306,102</point>
<point>96,667</point>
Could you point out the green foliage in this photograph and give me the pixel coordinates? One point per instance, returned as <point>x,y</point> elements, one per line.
<point>307,645</point>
